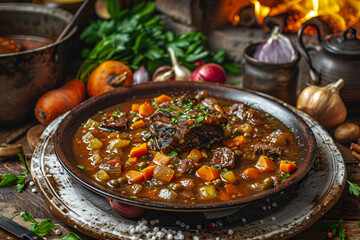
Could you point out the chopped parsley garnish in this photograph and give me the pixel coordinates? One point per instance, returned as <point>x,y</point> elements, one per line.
<point>173,121</point>
<point>132,112</point>
<point>161,110</point>
<point>225,169</point>
<point>208,146</point>
<point>118,111</point>
<point>217,168</point>
<point>251,105</point>
<point>115,114</point>
<point>104,118</point>
<point>188,106</point>
<point>133,196</point>
<point>202,107</point>
<point>290,130</point>
<point>197,125</point>
<point>259,136</point>
<point>82,124</point>
<point>82,167</point>
<point>227,107</point>
<point>226,127</point>
<point>172,154</point>
<point>249,140</point>
<point>153,103</point>
<point>139,169</point>
<point>199,119</point>
<point>79,156</point>
<point>272,153</point>
<point>173,99</point>
<point>270,118</point>
<point>284,176</point>
<point>100,112</point>
<point>170,109</point>
<point>271,158</point>
<point>273,128</point>
<point>145,198</point>
<point>180,113</point>
<point>116,121</point>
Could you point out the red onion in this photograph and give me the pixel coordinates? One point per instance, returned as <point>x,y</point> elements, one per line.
<point>210,72</point>
<point>141,76</point>
<point>277,49</point>
<point>125,210</point>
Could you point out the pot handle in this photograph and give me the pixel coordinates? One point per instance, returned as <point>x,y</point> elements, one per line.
<point>314,75</point>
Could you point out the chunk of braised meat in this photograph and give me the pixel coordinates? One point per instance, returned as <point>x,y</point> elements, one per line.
<point>241,111</point>
<point>256,117</point>
<point>238,110</point>
<point>187,166</point>
<point>114,123</point>
<point>267,149</point>
<point>223,157</point>
<point>182,134</point>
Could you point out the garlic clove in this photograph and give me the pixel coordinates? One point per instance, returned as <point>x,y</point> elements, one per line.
<point>181,72</point>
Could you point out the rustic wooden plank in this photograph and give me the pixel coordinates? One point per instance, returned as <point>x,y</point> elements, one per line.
<point>352,231</point>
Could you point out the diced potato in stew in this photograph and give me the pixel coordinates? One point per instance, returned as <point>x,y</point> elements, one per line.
<point>186,149</point>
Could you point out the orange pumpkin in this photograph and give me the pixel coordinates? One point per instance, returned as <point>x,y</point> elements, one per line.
<point>107,76</point>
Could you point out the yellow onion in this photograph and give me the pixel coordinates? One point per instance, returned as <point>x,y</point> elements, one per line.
<point>323,103</point>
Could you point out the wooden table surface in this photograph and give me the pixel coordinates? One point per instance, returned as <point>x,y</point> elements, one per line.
<point>347,208</point>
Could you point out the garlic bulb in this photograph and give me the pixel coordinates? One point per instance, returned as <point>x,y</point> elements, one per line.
<point>181,72</point>
<point>323,103</point>
<point>277,49</point>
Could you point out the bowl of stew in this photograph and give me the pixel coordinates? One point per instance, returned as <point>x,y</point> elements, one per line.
<point>185,146</point>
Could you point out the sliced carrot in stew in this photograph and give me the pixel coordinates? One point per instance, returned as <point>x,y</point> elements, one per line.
<point>231,189</point>
<point>148,172</point>
<point>161,159</point>
<point>138,124</point>
<point>195,155</point>
<point>139,151</point>
<point>135,107</point>
<point>237,141</point>
<point>132,160</point>
<point>208,173</point>
<point>240,140</point>
<point>265,164</point>
<point>287,166</point>
<point>146,110</point>
<point>287,136</point>
<point>251,173</point>
<point>224,196</point>
<point>163,98</point>
<point>134,176</point>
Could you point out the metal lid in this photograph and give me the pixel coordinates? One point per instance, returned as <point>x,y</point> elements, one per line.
<point>346,44</point>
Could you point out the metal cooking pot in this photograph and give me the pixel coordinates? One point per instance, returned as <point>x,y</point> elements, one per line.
<point>26,75</point>
<point>338,56</point>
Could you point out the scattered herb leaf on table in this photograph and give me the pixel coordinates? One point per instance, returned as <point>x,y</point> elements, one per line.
<point>9,179</point>
<point>138,38</point>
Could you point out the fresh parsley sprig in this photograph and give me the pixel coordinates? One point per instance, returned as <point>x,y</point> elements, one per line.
<point>354,188</point>
<point>10,179</point>
<point>329,227</point>
<point>40,228</point>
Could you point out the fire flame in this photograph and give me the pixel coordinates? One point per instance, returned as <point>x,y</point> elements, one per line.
<point>341,14</point>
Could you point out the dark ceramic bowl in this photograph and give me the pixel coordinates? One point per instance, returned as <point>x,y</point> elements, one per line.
<point>70,123</point>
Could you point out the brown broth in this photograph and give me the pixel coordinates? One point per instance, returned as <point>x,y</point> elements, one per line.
<point>20,43</point>
<point>244,186</point>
